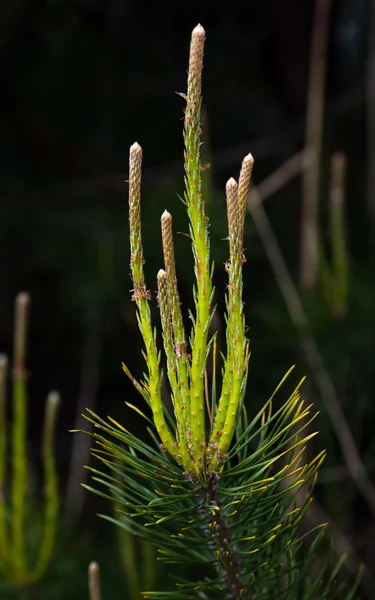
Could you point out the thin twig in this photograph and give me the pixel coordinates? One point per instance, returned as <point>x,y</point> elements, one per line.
<point>371,111</point>
<point>288,171</point>
<point>314,138</point>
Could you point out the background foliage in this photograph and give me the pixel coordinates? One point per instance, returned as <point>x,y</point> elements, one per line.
<point>81,81</point>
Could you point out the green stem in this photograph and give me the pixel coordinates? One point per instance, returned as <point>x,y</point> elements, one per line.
<point>165,314</point>
<point>200,242</point>
<point>236,363</point>
<point>51,488</point>
<point>19,476</point>
<point>3,456</point>
<point>94,581</point>
<point>142,296</point>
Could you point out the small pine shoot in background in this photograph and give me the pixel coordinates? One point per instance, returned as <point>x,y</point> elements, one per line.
<point>17,567</point>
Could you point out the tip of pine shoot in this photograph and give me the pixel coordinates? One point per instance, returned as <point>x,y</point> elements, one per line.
<point>94,580</point>
<point>166,216</point>
<point>249,159</point>
<point>161,275</point>
<point>53,399</point>
<point>22,299</point>
<point>231,184</point>
<point>198,30</point>
<point>135,149</point>
<point>93,567</point>
<point>196,54</point>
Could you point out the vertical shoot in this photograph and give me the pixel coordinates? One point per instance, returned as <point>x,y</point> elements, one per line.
<point>141,296</point>
<point>200,240</point>
<point>18,499</point>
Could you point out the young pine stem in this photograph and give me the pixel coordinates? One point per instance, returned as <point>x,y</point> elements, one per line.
<point>19,435</point>
<point>51,487</point>
<point>94,581</point>
<point>141,296</point>
<point>182,391</point>
<point>168,341</point>
<point>200,241</point>
<point>237,345</point>
<point>3,456</point>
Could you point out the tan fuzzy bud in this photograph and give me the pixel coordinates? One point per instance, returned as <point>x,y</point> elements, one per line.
<point>243,190</point>
<point>94,581</point>
<point>168,249</point>
<point>136,260</point>
<point>162,289</point>
<point>135,174</point>
<point>20,331</point>
<point>231,189</point>
<point>196,53</point>
<point>170,267</point>
<point>161,276</point>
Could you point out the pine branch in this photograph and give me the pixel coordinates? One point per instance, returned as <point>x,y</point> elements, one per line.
<point>223,497</point>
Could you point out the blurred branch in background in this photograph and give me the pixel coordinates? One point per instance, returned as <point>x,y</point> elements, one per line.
<point>314,139</point>
<point>313,356</point>
<point>314,359</point>
<point>342,546</point>
<point>94,581</point>
<point>334,279</point>
<point>371,111</point>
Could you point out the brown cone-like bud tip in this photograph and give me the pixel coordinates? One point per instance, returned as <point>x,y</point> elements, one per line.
<point>168,249</point>
<point>94,581</point>
<point>199,30</point>
<point>136,257</point>
<point>196,51</point>
<point>162,290</point>
<point>135,174</point>
<point>52,405</point>
<point>245,176</point>
<point>166,216</point>
<point>231,185</point>
<point>53,399</point>
<point>231,189</point>
<point>20,330</point>
<point>135,149</point>
<point>243,191</point>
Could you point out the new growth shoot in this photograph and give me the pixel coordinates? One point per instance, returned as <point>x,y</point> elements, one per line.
<point>198,444</point>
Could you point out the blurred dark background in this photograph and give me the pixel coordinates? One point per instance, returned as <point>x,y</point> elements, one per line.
<point>81,81</point>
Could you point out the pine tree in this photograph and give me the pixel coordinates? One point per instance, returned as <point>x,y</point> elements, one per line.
<point>216,486</point>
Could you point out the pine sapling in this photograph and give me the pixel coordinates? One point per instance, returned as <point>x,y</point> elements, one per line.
<point>210,489</point>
